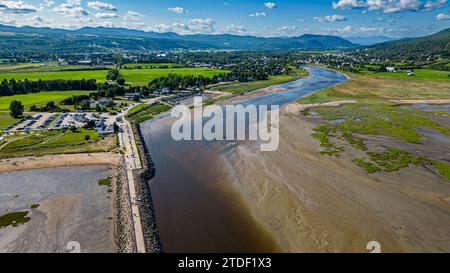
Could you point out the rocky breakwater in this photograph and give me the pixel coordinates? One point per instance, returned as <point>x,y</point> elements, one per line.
<point>145,202</point>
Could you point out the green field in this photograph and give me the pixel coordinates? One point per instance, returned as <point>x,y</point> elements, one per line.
<point>39,99</point>
<point>419,74</point>
<point>6,120</point>
<point>140,113</point>
<point>99,75</point>
<point>144,76</point>
<point>243,87</point>
<point>134,76</point>
<point>151,65</point>
<point>57,142</point>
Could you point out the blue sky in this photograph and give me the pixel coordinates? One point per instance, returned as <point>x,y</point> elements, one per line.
<point>396,18</point>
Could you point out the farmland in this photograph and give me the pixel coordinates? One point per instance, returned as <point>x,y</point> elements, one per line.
<point>144,76</point>
<point>99,75</point>
<point>39,99</point>
<point>138,74</point>
<point>424,74</point>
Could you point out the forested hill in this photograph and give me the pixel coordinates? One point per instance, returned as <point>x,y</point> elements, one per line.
<point>29,39</point>
<point>436,45</point>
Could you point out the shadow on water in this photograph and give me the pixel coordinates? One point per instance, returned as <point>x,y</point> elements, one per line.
<point>197,207</point>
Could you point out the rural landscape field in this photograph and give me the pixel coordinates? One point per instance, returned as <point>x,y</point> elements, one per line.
<point>174,127</point>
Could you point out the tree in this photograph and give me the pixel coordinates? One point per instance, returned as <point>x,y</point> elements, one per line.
<point>116,128</point>
<point>16,109</point>
<point>121,81</point>
<point>90,124</point>
<point>73,129</point>
<point>87,137</point>
<point>85,105</point>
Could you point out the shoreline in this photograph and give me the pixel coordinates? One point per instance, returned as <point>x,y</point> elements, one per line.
<point>57,161</point>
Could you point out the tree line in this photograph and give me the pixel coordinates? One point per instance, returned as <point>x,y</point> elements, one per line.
<point>14,87</point>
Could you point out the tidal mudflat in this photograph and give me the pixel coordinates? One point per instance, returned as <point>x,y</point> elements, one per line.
<point>64,205</point>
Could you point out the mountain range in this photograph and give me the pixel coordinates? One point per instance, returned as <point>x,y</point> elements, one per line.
<point>437,44</point>
<point>113,38</point>
<point>369,40</point>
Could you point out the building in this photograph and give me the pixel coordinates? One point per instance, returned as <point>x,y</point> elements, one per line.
<point>391,69</point>
<point>130,96</point>
<point>105,130</point>
<point>106,101</point>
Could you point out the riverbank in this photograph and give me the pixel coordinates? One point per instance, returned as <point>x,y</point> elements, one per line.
<point>316,203</point>
<point>123,231</point>
<point>64,207</point>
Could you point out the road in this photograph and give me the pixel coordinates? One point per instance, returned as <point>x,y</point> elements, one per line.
<point>133,162</point>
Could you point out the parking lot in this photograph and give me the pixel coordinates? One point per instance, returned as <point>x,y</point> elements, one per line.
<point>53,121</point>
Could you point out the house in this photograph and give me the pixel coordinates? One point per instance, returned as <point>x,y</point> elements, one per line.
<point>391,69</point>
<point>106,130</point>
<point>410,73</point>
<point>165,91</point>
<point>106,101</point>
<point>130,96</point>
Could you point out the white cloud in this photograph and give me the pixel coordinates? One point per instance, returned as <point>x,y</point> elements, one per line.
<point>270,5</point>
<point>177,10</point>
<point>97,5</point>
<point>236,29</point>
<point>202,25</point>
<point>287,30</point>
<point>442,16</point>
<point>389,6</point>
<point>71,10</point>
<point>132,16</point>
<point>331,18</point>
<point>7,20</point>
<point>258,14</point>
<point>48,3</point>
<point>344,30</point>
<point>106,15</point>
<point>16,7</point>
<point>198,25</point>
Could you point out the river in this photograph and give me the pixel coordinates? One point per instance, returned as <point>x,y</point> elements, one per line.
<point>198,208</point>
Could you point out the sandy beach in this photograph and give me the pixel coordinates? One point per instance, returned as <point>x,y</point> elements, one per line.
<point>53,161</point>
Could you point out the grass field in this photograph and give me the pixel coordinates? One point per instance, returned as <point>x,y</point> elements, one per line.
<point>6,120</point>
<point>424,74</point>
<point>374,115</point>
<point>39,99</point>
<point>151,65</point>
<point>243,87</point>
<point>144,76</point>
<point>99,75</point>
<point>147,112</point>
<point>57,142</point>
<point>365,87</point>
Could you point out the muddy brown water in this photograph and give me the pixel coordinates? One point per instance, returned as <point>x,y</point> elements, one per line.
<point>198,208</point>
